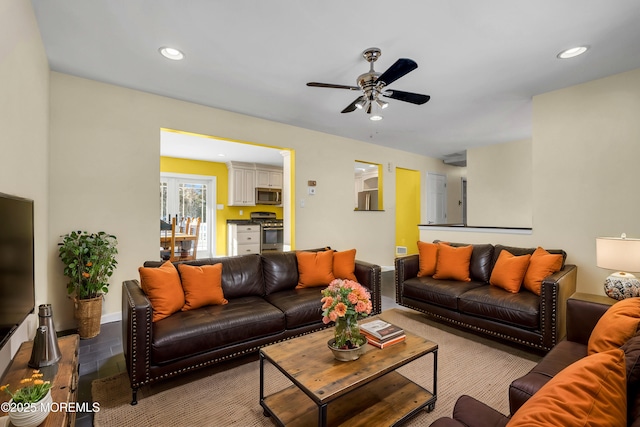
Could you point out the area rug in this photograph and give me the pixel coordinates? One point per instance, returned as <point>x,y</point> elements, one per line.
<point>228,394</point>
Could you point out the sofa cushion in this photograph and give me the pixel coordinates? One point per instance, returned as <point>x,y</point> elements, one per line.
<point>591,391</point>
<point>509,271</point>
<point>202,285</point>
<point>163,288</point>
<point>481,262</point>
<point>541,265</point>
<point>344,265</point>
<point>241,276</point>
<point>280,270</point>
<point>521,309</point>
<point>615,327</point>
<point>300,306</point>
<point>314,268</point>
<point>428,256</point>
<point>559,357</point>
<point>453,262</point>
<point>439,292</point>
<point>523,251</point>
<point>192,332</point>
<point>632,358</point>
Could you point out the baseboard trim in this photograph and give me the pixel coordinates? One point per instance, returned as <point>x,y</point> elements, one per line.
<point>111,317</point>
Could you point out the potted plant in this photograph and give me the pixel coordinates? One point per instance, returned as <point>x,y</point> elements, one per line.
<point>342,302</point>
<point>89,260</point>
<point>31,404</point>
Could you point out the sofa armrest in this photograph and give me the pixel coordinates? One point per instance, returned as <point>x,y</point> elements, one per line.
<point>556,290</point>
<point>473,413</point>
<point>369,276</point>
<point>407,267</point>
<point>136,332</point>
<point>583,312</point>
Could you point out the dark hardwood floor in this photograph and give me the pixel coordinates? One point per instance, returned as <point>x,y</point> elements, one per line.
<point>102,356</point>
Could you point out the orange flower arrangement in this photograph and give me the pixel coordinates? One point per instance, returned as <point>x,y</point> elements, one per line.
<point>342,302</point>
<point>345,297</point>
<point>34,389</point>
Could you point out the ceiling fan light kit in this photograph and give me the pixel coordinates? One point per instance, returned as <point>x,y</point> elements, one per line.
<point>373,85</point>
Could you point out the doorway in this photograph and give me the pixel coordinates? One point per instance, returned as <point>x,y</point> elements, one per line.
<point>206,156</point>
<point>184,196</point>
<point>407,211</point>
<point>436,198</point>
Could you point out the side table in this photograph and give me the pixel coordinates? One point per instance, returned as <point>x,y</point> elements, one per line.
<point>63,377</point>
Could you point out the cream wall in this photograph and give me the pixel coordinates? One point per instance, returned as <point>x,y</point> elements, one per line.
<point>585,152</point>
<point>104,174</point>
<point>499,186</point>
<point>24,95</point>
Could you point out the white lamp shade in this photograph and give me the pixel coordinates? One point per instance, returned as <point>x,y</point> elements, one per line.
<point>616,253</point>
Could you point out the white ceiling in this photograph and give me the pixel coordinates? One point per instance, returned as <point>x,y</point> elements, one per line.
<point>189,146</point>
<point>481,61</point>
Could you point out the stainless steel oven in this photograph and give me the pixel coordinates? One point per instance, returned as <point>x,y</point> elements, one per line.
<point>272,230</point>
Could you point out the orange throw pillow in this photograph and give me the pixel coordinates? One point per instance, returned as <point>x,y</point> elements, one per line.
<point>428,257</point>
<point>344,265</point>
<point>202,285</point>
<point>616,326</point>
<point>509,271</point>
<point>453,263</point>
<point>589,392</point>
<point>314,269</point>
<point>162,287</point>
<point>542,264</point>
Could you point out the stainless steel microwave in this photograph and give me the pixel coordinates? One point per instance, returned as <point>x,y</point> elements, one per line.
<point>268,196</point>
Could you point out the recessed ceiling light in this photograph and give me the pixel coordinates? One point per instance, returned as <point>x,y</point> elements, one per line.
<point>375,117</point>
<point>572,52</point>
<point>221,155</point>
<point>171,53</point>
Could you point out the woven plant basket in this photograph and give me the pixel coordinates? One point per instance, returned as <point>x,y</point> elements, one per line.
<point>88,313</point>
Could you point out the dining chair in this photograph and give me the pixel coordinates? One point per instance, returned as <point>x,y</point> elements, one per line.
<point>190,247</point>
<point>170,251</point>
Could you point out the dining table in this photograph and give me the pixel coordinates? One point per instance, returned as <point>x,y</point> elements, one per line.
<point>165,240</point>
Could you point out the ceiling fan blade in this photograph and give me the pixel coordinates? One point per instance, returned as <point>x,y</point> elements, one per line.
<point>414,98</point>
<point>401,67</point>
<point>332,86</point>
<point>352,107</point>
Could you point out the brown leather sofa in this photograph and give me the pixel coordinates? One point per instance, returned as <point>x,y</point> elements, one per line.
<point>583,312</point>
<point>264,307</point>
<point>524,317</point>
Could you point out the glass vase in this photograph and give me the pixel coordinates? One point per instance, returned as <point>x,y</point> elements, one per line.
<point>347,332</point>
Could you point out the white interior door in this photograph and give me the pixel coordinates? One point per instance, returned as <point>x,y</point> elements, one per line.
<point>436,198</point>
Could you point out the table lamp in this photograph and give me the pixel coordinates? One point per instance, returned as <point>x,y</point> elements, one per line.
<point>623,255</point>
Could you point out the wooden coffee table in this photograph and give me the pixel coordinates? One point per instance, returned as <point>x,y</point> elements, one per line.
<point>366,392</point>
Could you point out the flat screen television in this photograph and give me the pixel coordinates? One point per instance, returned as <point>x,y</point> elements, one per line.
<point>17,287</point>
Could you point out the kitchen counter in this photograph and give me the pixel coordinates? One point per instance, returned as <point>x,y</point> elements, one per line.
<point>241,222</point>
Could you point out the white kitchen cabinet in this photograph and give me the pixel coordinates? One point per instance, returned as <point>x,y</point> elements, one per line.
<point>243,239</point>
<point>242,185</point>
<point>266,178</point>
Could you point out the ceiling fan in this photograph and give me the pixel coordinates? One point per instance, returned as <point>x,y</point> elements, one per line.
<point>373,85</point>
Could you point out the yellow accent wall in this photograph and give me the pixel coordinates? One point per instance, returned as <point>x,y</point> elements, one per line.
<point>219,170</point>
<point>408,209</point>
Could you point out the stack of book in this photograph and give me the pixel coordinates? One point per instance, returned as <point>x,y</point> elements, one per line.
<point>382,334</point>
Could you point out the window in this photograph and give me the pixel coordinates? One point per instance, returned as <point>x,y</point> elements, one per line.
<point>183,196</point>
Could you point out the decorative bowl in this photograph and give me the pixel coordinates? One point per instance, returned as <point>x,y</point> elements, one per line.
<point>346,355</point>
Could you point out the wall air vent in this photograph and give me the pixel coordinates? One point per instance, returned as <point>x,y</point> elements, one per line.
<point>456,159</point>
<point>401,250</point>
